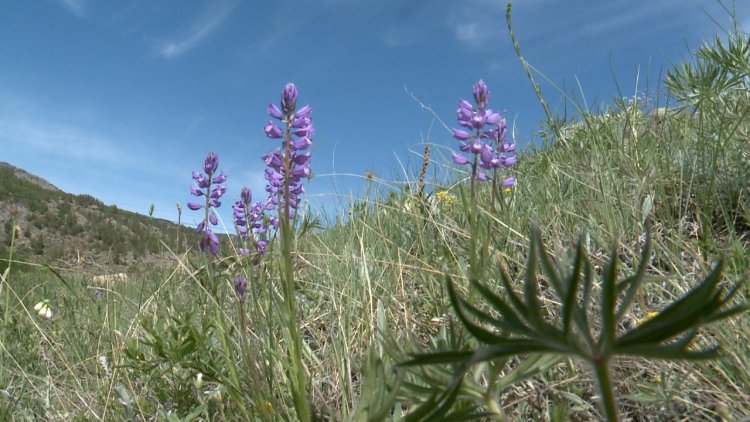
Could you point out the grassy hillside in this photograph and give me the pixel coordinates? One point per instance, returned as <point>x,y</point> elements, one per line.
<point>76,232</point>
<point>369,292</point>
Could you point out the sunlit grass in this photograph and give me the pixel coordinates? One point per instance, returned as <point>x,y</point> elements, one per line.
<point>370,288</point>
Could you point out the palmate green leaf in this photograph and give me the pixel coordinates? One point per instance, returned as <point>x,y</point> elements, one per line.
<point>695,307</point>
<point>515,301</point>
<point>531,290</point>
<point>546,263</point>
<point>728,313</point>
<point>634,282</point>
<point>511,320</point>
<point>582,310</point>
<point>569,304</point>
<point>609,298</point>
<point>477,331</point>
<point>481,315</point>
<point>679,349</point>
<point>439,404</point>
<point>437,358</point>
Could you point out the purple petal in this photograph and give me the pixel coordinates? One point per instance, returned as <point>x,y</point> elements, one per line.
<point>463,104</point>
<point>302,143</point>
<point>221,178</point>
<point>246,194</point>
<point>494,118</point>
<point>272,131</point>
<point>478,120</point>
<point>289,98</point>
<point>212,218</point>
<point>481,93</point>
<point>477,146</point>
<point>211,163</point>
<point>485,154</point>
<point>218,191</point>
<point>305,111</point>
<point>510,181</point>
<point>305,131</point>
<point>194,206</point>
<point>459,159</point>
<point>274,111</point>
<point>195,191</point>
<point>302,159</point>
<point>200,179</point>
<point>482,176</point>
<point>301,171</point>
<point>461,135</point>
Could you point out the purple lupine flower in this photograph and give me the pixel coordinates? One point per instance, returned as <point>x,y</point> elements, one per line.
<point>209,241</point>
<point>251,223</point>
<point>503,155</point>
<point>240,286</point>
<point>481,94</point>
<point>489,148</point>
<point>287,166</point>
<point>211,163</point>
<point>474,117</point>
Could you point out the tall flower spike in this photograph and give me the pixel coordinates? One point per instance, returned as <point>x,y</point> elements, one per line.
<point>473,118</point>
<point>209,241</point>
<point>240,286</point>
<point>287,166</point>
<point>251,224</point>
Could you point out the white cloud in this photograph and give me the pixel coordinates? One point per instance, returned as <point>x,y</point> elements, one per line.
<point>478,25</point>
<point>60,141</point>
<point>76,7</point>
<point>206,24</point>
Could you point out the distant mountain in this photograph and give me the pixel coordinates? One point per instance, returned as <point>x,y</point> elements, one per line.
<point>77,231</point>
<point>22,174</point>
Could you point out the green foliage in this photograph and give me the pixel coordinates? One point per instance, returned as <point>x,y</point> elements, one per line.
<point>359,294</point>
<point>515,323</point>
<point>720,74</point>
<point>172,352</point>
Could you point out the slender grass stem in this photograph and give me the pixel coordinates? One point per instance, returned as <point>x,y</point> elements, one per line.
<point>608,401</point>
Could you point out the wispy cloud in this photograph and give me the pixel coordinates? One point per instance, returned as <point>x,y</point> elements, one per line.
<point>477,24</point>
<point>204,25</point>
<point>60,141</point>
<point>76,7</point>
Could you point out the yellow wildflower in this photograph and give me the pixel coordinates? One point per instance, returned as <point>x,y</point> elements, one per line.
<point>445,197</point>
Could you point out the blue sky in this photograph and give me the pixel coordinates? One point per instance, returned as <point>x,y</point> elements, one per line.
<point>123,99</point>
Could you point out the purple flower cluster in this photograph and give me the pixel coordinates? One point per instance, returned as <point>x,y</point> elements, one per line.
<point>251,222</point>
<point>240,286</point>
<point>204,183</point>
<point>287,166</point>
<point>474,137</point>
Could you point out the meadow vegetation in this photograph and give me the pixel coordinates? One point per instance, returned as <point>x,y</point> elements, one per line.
<point>588,289</point>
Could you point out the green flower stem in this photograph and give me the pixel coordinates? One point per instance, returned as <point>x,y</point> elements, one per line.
<point>608,401</point>
<point>236,386</point>
<point>296,368</point>
<point>492,406</point>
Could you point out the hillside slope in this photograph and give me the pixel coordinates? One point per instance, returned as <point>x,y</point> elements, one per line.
<point>66,230</point>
